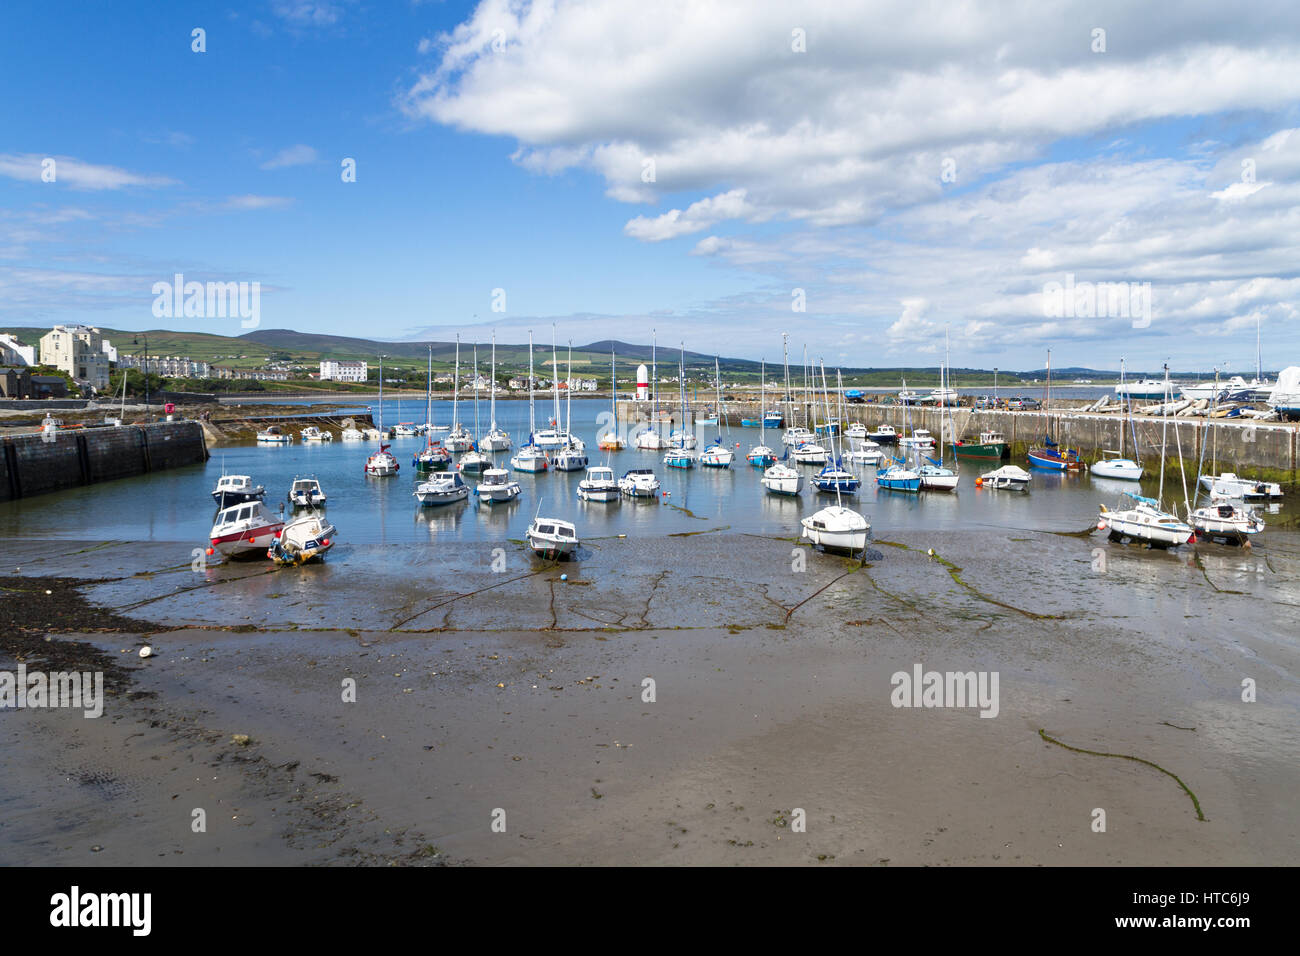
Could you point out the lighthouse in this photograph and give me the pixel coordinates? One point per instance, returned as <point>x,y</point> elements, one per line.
<point>642,384</point>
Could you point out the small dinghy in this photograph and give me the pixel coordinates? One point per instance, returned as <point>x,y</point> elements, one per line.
<point>301,540</point>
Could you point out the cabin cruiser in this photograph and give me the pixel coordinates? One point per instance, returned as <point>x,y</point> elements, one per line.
<point>639,483</point>
<point>883,435</point>
<point>236,489</point>
<point>809,453</point>
<point>313,434</point>
<point>867,453</point>
<point>1008,476</point>
<point>273,436</point>
<point>1229,485</point>
<point>837,528</point>
<point>243,529</point>
<point>1226,522</point>
<point>598,485</point>
<point>797,435</point>
<point>919,440</point>
<point>306,493</point>
<point>782,479</point>
<point>1146,522</point>
<point>856,432</point>
<point>381,464</point>
<point>301,540</point>
<point>552,538</point>
<point>497,486</point>
<point>442,489</point>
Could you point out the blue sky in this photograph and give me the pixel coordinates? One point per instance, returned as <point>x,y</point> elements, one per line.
<point>503,145</point>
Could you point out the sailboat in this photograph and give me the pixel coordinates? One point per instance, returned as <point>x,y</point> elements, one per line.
<point>806,450</point>
<point>573,456</point>
<point>530,458</point>
<point>459,439</point>
<point>1051,456</point>
<point>1222,519</point>
<point>1146,520</point>
<point>716,454</point>
<point>649,439</point>
<point>611,440</point>
<point>381,464</point>
<point>433,457</point>
<point>474,462</point>
<point>680,455</point>
<point>834,477</point>
<point>1125,469</point>
<point>760,456</point>
<point>836,528</point>
<point>935,476</point>
<point>552,437</point>
<point>495,439</point>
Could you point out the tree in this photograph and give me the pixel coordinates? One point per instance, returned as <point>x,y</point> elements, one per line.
<point>135,382</point>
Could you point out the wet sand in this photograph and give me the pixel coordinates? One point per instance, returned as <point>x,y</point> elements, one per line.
<point>479,691</point>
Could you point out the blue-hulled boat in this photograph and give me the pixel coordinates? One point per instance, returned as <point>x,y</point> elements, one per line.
<point>1053,458</point>
<point>898,477</point>
<point>834,478</point>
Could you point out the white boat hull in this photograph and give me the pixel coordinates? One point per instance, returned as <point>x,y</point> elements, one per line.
<point>1122,468</point>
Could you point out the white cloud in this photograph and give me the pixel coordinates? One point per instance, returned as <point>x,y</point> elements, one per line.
<point>695,218</point>
<point>74,173</point>
<point>299,155</point>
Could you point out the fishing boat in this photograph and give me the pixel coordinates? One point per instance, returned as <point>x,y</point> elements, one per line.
<point>761,456</point>
<point>1121,467</point>
<point>639,483</point>
<point>495,439</point>
<point>235,490</point>
<point>244,529</point>
<point>898,477</point>
<point>611,440</point>
<point>782,479</point>
<point>530,458</point>
<point>301,540</point>
<point>883,435</point>
<point>1146,522</point>
<point>598,485</point>
<point>306,493</point>
<point>1008,476</point>
<point>1229,485</point>
<point>442,489</point>
<point>496,486</point>
<point>551,538</point>
<point>990,446</point>
<point>773,420</point>
<point>313,434</point>
<point>458,439</point>
<point>273,435</point>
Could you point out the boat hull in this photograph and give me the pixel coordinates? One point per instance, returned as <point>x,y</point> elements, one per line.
<point>1122,469</point>
<point>980,451</point>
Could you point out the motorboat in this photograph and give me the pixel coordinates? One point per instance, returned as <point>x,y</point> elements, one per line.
<point>552,538</point>
<point>301,540</point>
<point>306,493</point>
<point>406,430</point>
<point>919,440</point>
<point>496,486</point>
<point>381,464</point>
<point>990,446</point>
<point>273,435</point>
<point>244,529</point>
<point>1008,476</point>
<point>1230,485</point>
<point>837,528</point>
<point>1145,522</point>
<point>371,434</point>
<point>598,485</point>
<point>530,459</point>
<point>236,489</point>
<point>352,434</point>
<point>1125,469</point>
<point>313,434</point>
<point>898,477</point>
<point>856,432</point>
<point>809,453</point>
<point>883,435</point>
<point>432,457</point>
<point>1226,522</point>
<point>782,479</point>
<point>442,489</point>
<point>797,435</point>
<point>473,463</point>
<point>639,483</point>
<point>867,452</point>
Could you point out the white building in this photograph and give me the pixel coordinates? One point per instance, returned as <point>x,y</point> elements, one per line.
<point>79,351</point>
<point>13,352</point>
<point>168,366</point>
<point>344,371</point>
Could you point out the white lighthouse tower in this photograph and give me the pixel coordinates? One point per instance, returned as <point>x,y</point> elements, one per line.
<point>642,384</point>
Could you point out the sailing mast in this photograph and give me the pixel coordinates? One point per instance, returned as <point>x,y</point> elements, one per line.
<point>555,378</point>
<point>476,383</point>
<point>568,401</point>
<point>532,414</point>
<point>785,353</point>
<point>381,397</point>
<point>493,389</point>
<point>455,390</point>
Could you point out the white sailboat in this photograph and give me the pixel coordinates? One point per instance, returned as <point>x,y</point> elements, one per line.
<point>716,454</point>
<point>650,438</point>
<point>836,527</point>
<point>530,458</point>
<point>458,439</point>
<point>935,476</point>
<point>381,464</point>
<point>496,439</point>
<point>1121,467</point>
<point>573,454</point>
<point>474,461</point>
<point>611,440</point>
<point>761,456</point>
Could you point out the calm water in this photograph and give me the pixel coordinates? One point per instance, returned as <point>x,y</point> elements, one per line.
<point>177,505</point>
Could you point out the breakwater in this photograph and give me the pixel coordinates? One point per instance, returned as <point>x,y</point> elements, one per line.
<point>1254,449</point>
<point>55,461</point>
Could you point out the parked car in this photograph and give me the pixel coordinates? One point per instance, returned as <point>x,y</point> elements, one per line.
<point>1030,404</point>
